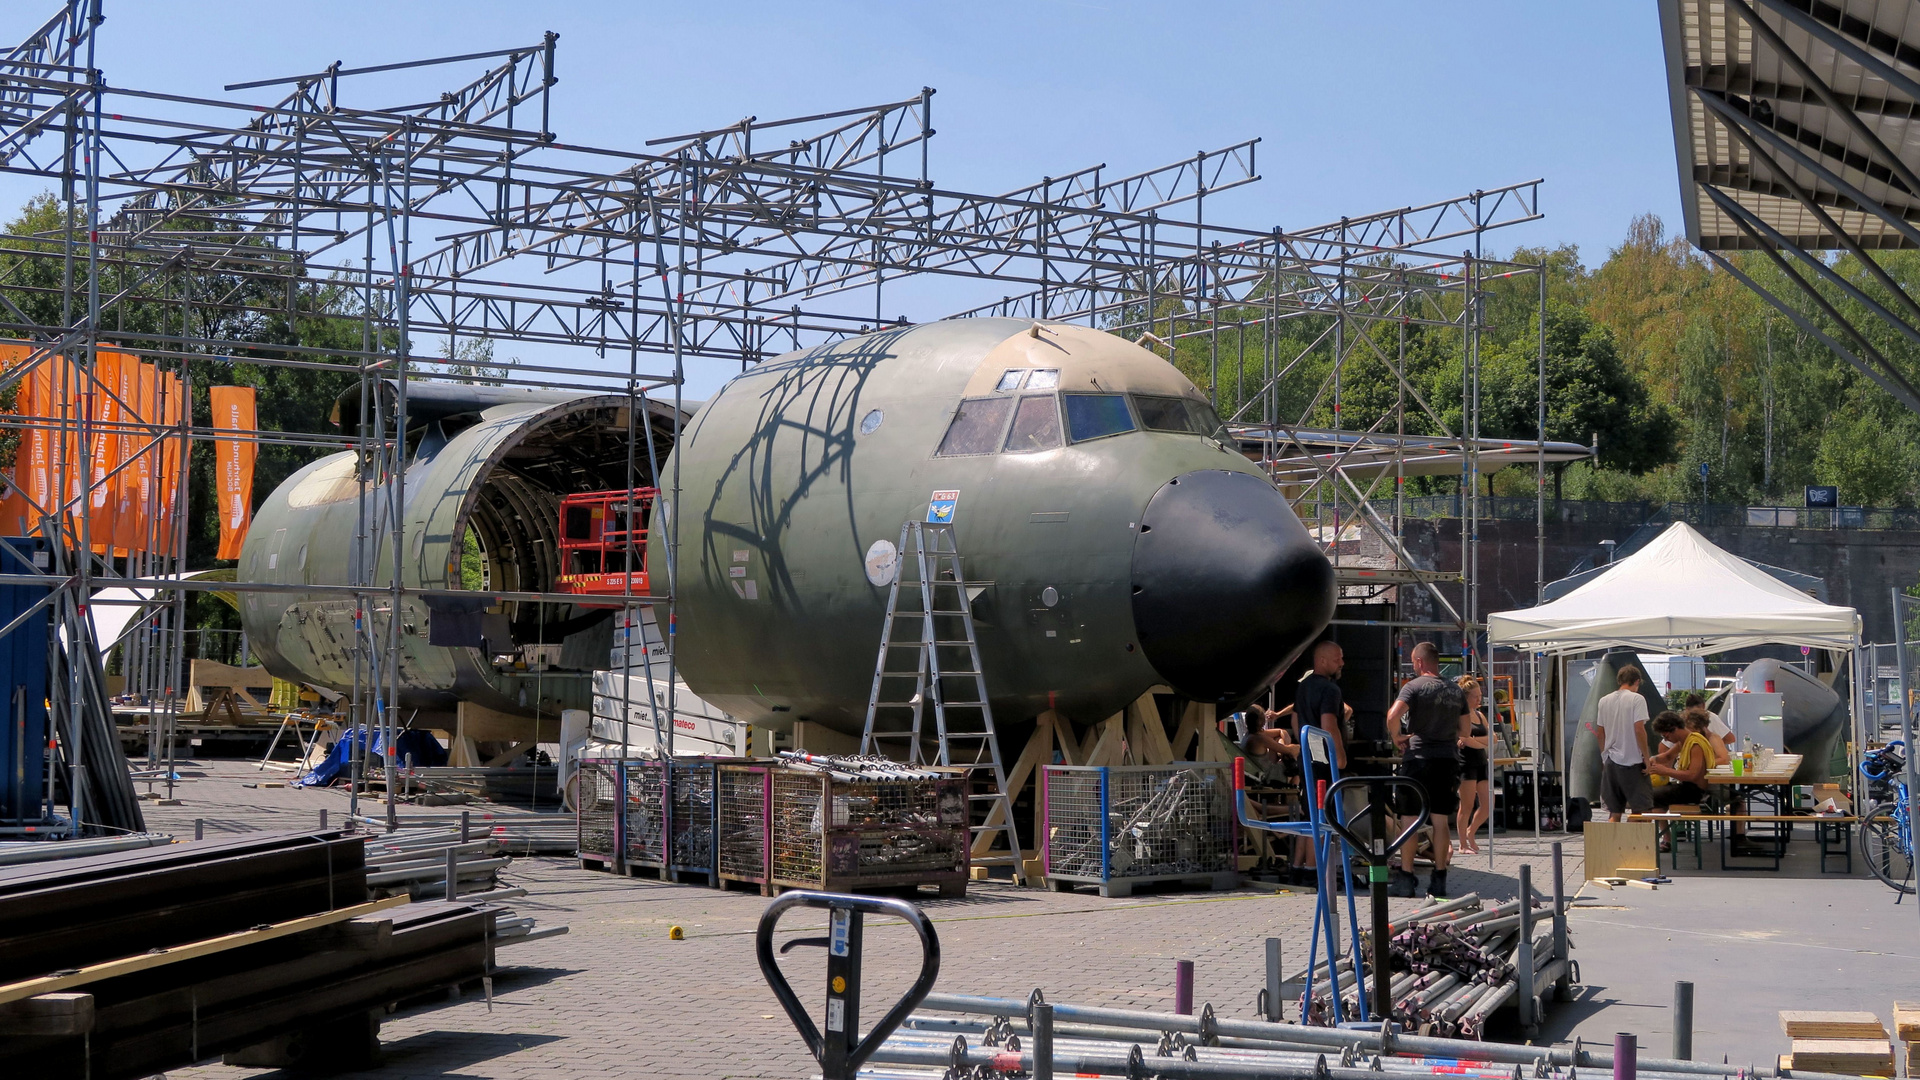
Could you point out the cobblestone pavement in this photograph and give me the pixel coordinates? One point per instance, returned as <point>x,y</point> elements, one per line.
<point>616,997</point>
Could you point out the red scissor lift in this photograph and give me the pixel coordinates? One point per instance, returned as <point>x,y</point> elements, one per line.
<point>598,532</point>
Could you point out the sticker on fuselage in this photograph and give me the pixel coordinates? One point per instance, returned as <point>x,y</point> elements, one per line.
<point>940,510</point>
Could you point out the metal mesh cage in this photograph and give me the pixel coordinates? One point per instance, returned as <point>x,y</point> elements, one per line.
<point>693,798</point>
<point>798,829</point>
<point>742,792</point>
<point>598,803</point>
<point>646,813</point>
<point>1139,821</point>
<point>1075,839</point>
<point>898,827</point>
<point>838,833</point>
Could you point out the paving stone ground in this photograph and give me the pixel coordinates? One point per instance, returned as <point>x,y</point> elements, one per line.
<point>616,998</point>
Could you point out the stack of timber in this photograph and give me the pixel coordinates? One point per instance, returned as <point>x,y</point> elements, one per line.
<point>1851,1043</point>
<point>1906,1028</point>
<point>268,949</point>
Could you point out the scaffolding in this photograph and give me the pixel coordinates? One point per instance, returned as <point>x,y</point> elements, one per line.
<point>467,218</point>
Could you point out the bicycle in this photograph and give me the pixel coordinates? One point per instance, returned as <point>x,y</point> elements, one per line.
<point>1886,831</point>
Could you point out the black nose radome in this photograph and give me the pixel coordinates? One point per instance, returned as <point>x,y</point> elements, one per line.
<point>1227,585</point>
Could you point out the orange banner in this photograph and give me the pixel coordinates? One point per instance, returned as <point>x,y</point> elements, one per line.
<point>233,410</point>
<point>17,517</point>
<point>103,419</point>
<point>165,487</point>
<point>118,479</point>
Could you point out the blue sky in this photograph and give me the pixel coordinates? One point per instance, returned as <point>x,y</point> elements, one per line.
<point>1362,107</point>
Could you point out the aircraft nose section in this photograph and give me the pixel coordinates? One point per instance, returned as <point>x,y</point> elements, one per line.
<point>1228,587</point>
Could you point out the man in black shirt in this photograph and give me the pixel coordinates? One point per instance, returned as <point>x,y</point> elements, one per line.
<point>1433,713</point>
<point>1317,701</point>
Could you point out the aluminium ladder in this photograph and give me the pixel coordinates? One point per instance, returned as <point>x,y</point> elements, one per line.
<point>946,673</point>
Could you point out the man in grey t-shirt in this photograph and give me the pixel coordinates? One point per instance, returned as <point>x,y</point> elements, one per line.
<point>1433,713</point>
<point>1622,731</point>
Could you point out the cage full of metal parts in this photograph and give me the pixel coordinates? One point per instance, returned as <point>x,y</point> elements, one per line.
<point>1125,825</point>
<point>861,823</point>
<point>635,805</point>
<point>671,816</point>
<point>743,796</point>
<point>597,810</point>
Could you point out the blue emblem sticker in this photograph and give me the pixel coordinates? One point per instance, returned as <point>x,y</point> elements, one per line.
<point>941,509</point>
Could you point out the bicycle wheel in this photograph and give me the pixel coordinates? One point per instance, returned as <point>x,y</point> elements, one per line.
<point>1889,854</point>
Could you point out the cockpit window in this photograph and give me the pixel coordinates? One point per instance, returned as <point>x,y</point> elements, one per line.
<point>1093,416</point>
<point>1036,425</point>
<point>1177,414</point>
<point>1043,379</point>
<point>976,427</point>
<point>1010,379</point>
<point>1164,414</point>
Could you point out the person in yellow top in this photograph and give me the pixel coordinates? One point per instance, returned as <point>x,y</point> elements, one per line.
<point>1679,767</point>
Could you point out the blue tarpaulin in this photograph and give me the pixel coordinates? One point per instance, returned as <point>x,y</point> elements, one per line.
<point>416,749</point>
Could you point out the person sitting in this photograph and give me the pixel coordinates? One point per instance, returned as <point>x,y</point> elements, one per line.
<point>1680,766</point>
<point>1718,733</point>
<point>1267,740</point>
<point>1701,722</point>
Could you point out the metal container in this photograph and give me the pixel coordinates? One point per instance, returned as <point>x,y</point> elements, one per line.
<point>744,796</point>
<point>1120,826</point>
<point>670,819</point>
<point>597,811</point>
<point>843,834</point>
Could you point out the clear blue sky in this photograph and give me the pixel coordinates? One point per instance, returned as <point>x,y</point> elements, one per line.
<point>1362,106</point>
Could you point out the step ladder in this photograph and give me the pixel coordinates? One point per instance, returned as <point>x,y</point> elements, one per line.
<point>930,656</point>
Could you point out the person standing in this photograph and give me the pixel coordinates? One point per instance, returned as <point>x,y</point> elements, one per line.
<point>1433,714</point>
<point>1317,701</point>
<point>1622,731</point>
<point>1474,806</point>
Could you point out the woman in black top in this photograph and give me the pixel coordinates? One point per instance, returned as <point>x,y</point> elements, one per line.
<point>1473,770</point>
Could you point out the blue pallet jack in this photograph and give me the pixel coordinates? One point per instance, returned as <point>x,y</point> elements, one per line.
<point>1334,844</point>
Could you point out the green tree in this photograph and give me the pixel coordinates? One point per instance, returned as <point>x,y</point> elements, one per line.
<point>1591,394</point>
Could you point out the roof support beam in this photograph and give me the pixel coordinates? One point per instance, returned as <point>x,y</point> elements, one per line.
<point>1754,226</point>
<point>1909,400</point>
<point>1888,377</point>
<point>1846,45</point>
<point>1745,130</point>
<point>1826,95</point>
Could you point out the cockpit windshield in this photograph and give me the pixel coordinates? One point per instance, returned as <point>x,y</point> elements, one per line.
<point>1024,423</point>
<point>1178,414</point>
<point>1095,416</point>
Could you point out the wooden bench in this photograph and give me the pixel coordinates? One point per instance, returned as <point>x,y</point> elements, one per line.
<point>1835,843</point>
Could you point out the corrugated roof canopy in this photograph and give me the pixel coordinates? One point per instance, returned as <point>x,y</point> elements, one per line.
<point>1826,92</point>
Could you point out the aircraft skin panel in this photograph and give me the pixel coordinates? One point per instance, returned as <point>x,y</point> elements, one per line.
<point>785,487</point>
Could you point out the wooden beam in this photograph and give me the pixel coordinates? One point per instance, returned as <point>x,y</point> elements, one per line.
<point>1070,749</point>
<point>47,984</point>
<point>48,1016</point>
<point>1147,734</point>
<point>1185,733</point>
<point>1107,740</point>
<point>1038,751</point>
<point>511,752</point>
<point>1212,746</point>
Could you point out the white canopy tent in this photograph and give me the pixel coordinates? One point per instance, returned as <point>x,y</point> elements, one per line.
<point>1679,594</point>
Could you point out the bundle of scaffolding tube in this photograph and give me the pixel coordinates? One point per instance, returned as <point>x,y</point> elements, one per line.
<point>955,1035</point>
<point>851,767</point>
<point>1455,965</point>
